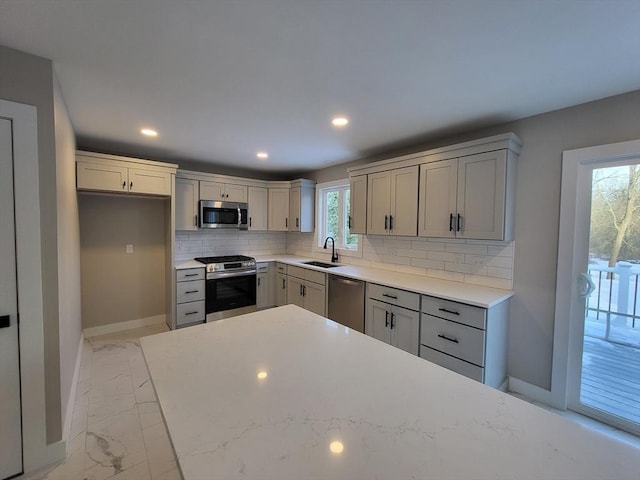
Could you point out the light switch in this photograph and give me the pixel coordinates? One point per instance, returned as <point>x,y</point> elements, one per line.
<point>129,248</point>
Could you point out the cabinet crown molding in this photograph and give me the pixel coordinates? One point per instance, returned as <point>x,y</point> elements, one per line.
<point>509,141</point>
<point>104,158</point>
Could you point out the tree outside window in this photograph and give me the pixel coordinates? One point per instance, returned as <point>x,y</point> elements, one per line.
<point>334,218</point>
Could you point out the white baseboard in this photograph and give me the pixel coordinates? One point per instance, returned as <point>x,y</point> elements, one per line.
<point>128,325</point>
<point>72,395</point>
<point>533,392</point>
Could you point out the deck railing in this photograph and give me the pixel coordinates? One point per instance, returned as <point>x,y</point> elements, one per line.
<point>616,296</point>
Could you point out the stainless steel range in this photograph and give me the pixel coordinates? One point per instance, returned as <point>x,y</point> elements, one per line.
<point>230,287</point>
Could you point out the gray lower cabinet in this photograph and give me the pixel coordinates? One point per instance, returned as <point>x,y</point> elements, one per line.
<point>264,286</point>
<point>306,288</point>
<point>190,292</point>
<point>280,287</point>
<point>464,338</point>
<point>393,316</point>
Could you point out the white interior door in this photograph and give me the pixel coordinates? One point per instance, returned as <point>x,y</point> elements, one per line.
<point>588,372</point>
<point>10,410</point>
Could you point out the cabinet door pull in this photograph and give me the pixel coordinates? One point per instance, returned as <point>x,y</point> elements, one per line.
<point>124,185</point>
<point>386,219</point>
<point>390,222</point>
<point>444,337</point>
<point>130,185</point>
<point>192,274</point>
<point>249,221</point>
<point>195,220</point>
<point>283,284</point>
<point>286,223</point>
<point>297,222</point>
<point>192,291</point>
<point>386,319</point>
<point>304,290</point>
<point>451,222</point>
<point>258,281</point>
<point>301,294</point>
<point>448,311</point>
<point>191,313</point>
<point>459,222</point>
<point>389,296</point>
<point>392,324</point>
<point>349,222</point>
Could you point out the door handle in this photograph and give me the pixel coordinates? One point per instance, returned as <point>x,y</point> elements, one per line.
<point>459,222</point>
<point>451,222</point>
<point>5,321</point>
<point>297,222</point>
<point>585,285</point>
<point>124,185</point>
<point>386,319</point>
<point>130,185</point>
<point>249,221</point>
<point>349,222</point>
<point>386,219</point>
<point>449,339</point>
<point>390,222</point>
<point>392,324</point>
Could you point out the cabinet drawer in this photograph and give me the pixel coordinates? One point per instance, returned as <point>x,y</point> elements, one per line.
<point>190,274</point>
<point>262,267</point>
<point>190,312</point>
<point>453,338</point>
<point>190,291</point>
<point>458,312</point>
<point>281,267</point>
<point>463,368</point>
<point>394,296</point>
<point>306,274</point>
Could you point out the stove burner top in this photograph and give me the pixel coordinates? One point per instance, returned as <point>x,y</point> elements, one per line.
<point>223,259</point>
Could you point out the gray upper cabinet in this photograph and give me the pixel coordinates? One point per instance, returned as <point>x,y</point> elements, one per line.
<point>302,206</point>
<point>258,210</point>
<point>358,204</point>
<point>224,192</point>
<point>392,202</point>
<point>187,195</point>
<point>468,197</point>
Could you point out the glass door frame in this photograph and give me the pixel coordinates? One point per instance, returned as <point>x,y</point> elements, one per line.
<point>573,250</point>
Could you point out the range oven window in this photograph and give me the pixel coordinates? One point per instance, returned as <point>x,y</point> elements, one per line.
<point>230,292</point>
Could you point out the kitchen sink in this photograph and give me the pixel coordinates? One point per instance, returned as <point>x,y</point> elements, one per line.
<point>321,264</point>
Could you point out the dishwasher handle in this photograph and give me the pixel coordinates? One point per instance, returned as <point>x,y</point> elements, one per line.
<point>346,281</point>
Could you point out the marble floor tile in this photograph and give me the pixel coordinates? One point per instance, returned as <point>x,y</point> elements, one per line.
<point>102,408</point>
<point>113,446</point>
<point>159,451</point>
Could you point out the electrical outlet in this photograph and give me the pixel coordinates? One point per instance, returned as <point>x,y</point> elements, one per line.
<point>129,248</point>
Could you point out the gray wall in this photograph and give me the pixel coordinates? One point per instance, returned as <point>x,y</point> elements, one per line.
<point>545,137</point>
<point>117,286</point>
<point>28,79</point>
<point>70,321</point>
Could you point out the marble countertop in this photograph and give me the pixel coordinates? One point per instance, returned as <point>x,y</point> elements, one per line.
<point>287,394</point>
<point>476,295</point>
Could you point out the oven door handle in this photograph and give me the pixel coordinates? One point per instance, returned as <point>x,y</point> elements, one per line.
<point>217,275</point>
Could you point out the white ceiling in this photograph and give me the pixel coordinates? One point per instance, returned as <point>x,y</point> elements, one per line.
<point>221,80</point>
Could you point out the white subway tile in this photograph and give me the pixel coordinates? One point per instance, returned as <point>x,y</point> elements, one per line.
<point>446,256</point>
<point>489,282</point>
<point>412,270</point>
<point>500,250</point>
<point>465,248</point>
<point>420,262</point>
<point>464,268</point>
<point>497,272</point>
<point>441,274</point>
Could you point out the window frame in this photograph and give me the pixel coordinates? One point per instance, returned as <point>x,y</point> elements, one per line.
<point>320,231</point>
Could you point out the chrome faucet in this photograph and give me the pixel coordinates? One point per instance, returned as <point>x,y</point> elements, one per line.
<point>334,255</point>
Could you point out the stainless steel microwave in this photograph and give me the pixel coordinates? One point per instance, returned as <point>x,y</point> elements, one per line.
<point>215,214</point>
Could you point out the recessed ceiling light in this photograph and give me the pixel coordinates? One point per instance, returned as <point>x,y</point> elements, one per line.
<point>149,132</point>
<point>262,155</point>
<point>340,121</point>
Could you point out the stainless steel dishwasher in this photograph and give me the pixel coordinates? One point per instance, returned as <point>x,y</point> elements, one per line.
<point>346,302</point>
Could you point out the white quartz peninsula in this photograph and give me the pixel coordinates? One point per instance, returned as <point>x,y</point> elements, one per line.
<point>287,394</point>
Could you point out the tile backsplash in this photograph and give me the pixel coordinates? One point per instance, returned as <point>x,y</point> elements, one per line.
<point>476,262</point>
<point>203,243</point>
